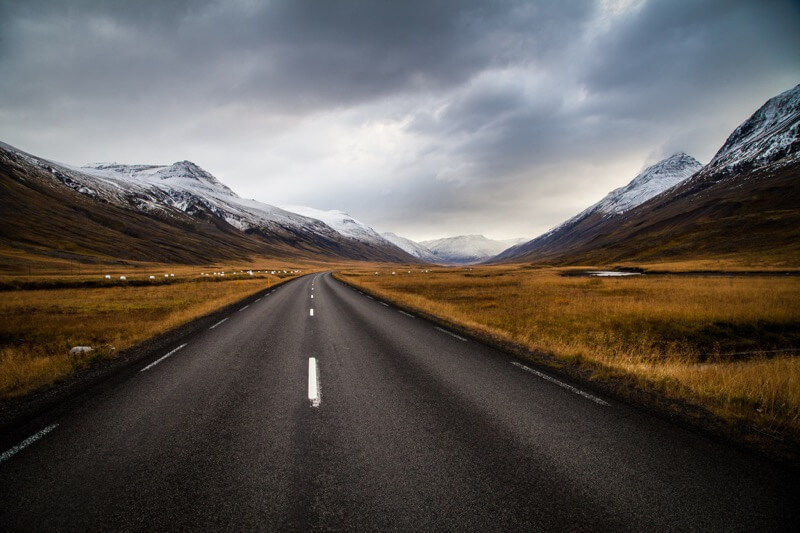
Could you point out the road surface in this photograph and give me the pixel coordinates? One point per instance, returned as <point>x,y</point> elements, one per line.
<point>319,408</point>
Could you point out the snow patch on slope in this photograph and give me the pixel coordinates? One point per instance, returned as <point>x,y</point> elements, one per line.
<point>770,134</point>
<point>189,188</point>
<point>414,248</point>
<point>341,222</point>
<point>654,180</point>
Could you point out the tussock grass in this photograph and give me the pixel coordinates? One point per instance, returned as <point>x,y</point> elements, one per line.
<point>709,340</point>
<point>38,327</point>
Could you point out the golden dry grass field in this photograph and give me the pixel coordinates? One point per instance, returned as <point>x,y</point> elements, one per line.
<point>38,327</point>
<point>720,342</point>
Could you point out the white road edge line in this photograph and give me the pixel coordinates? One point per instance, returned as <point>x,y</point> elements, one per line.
<point>8,454</point>
<point>384,303</point>
<point>218,323</point>
<point>245,307</point>
<point>313,383</point>
<point>258,300</point>
<point>311,312</point>
<point>370,297</point>
<point>459,337</point>
<point>586,395</point>
<point>154,363</point>
<point>407,314</point>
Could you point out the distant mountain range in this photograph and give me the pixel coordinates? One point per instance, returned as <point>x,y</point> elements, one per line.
<point>744,204</point>
<point>414,248</point>
<point>460,250</point>
<point>466,249</point>
<point>176,213</point>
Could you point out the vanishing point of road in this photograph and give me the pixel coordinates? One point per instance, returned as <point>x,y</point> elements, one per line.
<point>316,407</point>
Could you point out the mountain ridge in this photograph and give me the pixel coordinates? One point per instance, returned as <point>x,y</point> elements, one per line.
<point>748,190</point>
<point>652,181</point>
<point>464,249</point>
<point>181,194</point>
<point>412,247</point>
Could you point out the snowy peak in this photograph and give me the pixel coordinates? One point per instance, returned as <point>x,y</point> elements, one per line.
<point>770,134</point>
<point>343,223</point>
<point>411,247</point>
<point>653,180</point>
<point>465,249</point>
<point>183,175</point>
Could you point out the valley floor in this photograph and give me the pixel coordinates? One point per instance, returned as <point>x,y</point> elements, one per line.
<point>725,344</point>
<point>315,407</point>
<point>43,317</point>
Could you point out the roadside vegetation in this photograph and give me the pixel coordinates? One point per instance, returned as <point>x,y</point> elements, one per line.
<point>39,325</point>
<point>728,344</point>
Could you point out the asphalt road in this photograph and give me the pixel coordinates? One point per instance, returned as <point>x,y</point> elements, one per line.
<point>409,428</point>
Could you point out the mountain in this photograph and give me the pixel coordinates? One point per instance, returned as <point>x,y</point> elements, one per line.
<point>464,249</point>
<point>653,180</point>
<point>414,248</point>
<point>513,242</point>
<point>769,135</point>
<point>597,218</point>
<point>744,205</point>
<point>349,227</point>
<point>170,213</point>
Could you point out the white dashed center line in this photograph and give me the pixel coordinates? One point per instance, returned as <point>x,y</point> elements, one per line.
<point>384,303</point>
<point>311,312</point>
<point>8,454</point>
<point>586,395</point>
<point>154,363</point>
<point>243,308</point>
<point>218,323</point>
<point>407,314</point>
<point>313,383</point>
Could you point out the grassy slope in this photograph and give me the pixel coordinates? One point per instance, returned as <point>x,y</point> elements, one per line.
<point>671,334</point>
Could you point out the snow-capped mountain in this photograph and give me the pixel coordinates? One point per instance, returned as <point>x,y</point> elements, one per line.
<point>464,249</point>
<point>169,192</point>
<point>652,181</point>
<point>191,189</point>
<point>343,223</point>
<point>770,134</point>
<point>741,204</point>
<point>414,248</point>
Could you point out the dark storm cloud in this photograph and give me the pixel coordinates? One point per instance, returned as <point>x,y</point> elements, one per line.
<point>295,55</point>
<point>495,109</point>
<point>646,80</point>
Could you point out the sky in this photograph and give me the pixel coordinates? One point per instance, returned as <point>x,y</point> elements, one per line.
<point>425,118</point>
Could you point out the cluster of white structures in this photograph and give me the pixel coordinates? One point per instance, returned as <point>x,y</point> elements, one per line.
<point>125,278</point>
<point>220,274</point>
<point>409,271</point>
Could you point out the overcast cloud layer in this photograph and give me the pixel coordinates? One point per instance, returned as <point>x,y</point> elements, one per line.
<point>428,119</point>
